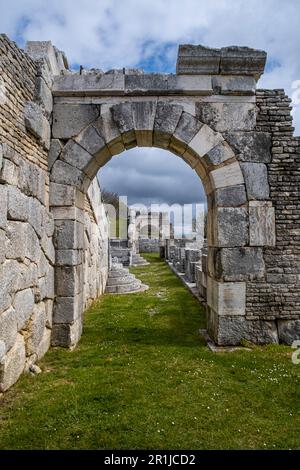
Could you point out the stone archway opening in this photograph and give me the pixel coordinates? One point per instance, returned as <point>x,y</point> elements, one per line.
<point>232,258</point>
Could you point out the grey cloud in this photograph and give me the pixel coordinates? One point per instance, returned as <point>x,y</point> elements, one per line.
<point>152,176</point>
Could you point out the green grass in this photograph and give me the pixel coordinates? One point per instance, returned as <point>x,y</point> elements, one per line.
<point>142,378</point>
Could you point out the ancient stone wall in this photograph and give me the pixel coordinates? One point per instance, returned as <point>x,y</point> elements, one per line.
<point>148,245</point>
<point>28,290</point>
<point>26,227</point>
<point>278,295</point>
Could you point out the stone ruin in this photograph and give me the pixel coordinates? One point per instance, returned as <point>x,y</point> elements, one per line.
<point>58,128</point>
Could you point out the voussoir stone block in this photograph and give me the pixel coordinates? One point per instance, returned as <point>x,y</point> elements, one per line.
<point>187,127</point>
<point>70,119</point>
<point>109,131</point>
<point>218,154</point>
<point>228,175</point>
<point>36,123</point>
<point>90,140</point>
<point>166,120</point>
<point>205,140</point>
<point>122,116</point>
<point>256,180</point>
<point>288,331</point>
<point>232,227</point>
<point>236,264</point>
<point>12,365</point>
<point>251,146</point>
<point>143,113</point>
<point>262,223</point>
<point>75,155</point>
<point>64,173</point>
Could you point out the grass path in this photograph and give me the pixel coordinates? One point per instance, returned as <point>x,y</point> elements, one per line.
<point>142,378</point>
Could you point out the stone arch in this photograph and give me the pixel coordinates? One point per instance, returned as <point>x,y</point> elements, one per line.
<point>232,259</point>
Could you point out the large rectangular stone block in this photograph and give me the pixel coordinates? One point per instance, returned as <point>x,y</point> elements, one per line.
<point>89,84</point>
<point>166,120</point>
<point>262,223</point>
<point>234,85</point>
<point>251,146</point>
<point>197,60</point>
<point>12,366</point>
<point>69,235</point>
<point>228,175</point>
<point>232,227</point>
<point>75,155</point>
<point>64,195</point>
<point>37,124</point>
<point>23,305</point>
<point>70,119</point>
<point>68,280</point>
<point>232,196</point>
<point>236,264</point>
<point>66,335</point>
<point>226,298</point>
<point>256,180</point>
<point>227,116</point>
<point>67,309</point>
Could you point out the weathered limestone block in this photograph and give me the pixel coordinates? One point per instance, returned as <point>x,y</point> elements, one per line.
<point>190,85</point>
<point>197,60</point>
<point>234,85</point>
<point>230,116</point>
<point>48,248</point>
<point>67,174</point>
<point>2,246</point>
<point>23,305</point>
<point>44,50</point>
<point>236,60</point>
<point>232,196</point>
<point>35,329</point>
<point>62,195</point>
<point>226,298</point>
<point>66,335</point>
<point>262,223</point>
<point>70,119</point>
<point>56,147</point>
<point>12,366</point>
<point>288,331</point>
<point>10,277</point>
<point>75,155</point>
<point>218,154</point>
<point>110,133</point>
<point>8,328</point>
<point>256,180</point>
<point>22,242</point>
<point>166,120</point>
<point>3,206</point>
<point>143,113</point>
<point>9,173</point>
<point>236,264</point>
<point>90,140</point>
<point>1,156</point>
<point>69,234</point>
<point>227,330</point>
<point>187,128</point>
<point>205,140</point>
<point>89,83</point>
<point>17,204</point>
<point>229,175</point>
<point>68,280</point>
<point>68,257</point>
<point>122,116</point>
<point>146,83</point>
<point>36,123</point>
<point>251,146</point>
<point>43,96</point>
<point>231,227</point>
<point>67,309</point>
<point>44,344</point>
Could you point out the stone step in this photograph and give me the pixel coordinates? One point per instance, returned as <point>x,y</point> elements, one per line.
<point>119,272</point>
<point>120,289</point>
<point>122,280</point>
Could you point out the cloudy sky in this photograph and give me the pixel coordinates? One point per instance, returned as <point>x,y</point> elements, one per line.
<point>146,33</point>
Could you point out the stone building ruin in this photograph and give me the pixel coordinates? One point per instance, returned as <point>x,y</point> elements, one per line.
<point>58,128</point>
